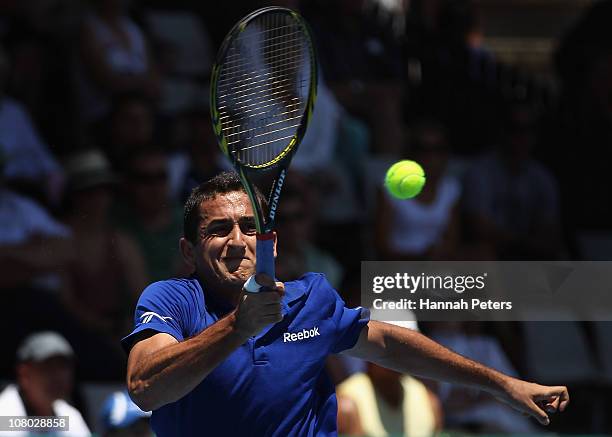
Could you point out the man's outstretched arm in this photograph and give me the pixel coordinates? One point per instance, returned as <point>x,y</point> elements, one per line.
<point>408,351</point>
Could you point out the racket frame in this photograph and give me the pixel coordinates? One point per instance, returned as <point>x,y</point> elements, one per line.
<point>264,222</point>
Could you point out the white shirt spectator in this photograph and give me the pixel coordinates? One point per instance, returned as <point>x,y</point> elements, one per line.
<point>11,404</point>
<point>417,226</point>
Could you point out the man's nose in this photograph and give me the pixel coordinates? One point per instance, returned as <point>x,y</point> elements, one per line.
<point>236,237</point>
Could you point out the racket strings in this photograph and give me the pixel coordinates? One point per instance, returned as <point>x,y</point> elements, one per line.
<point>291,111</point>
<point>261,93</point>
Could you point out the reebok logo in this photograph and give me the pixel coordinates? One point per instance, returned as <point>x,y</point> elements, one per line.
<point>148,316</point>
<point>303,335</point>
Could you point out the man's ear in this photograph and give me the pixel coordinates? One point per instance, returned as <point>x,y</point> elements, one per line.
<point>188,253</point>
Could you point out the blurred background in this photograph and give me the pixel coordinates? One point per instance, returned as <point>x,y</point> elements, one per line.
<point>105,129</point>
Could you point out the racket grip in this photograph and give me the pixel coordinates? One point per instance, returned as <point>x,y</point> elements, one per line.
<point>265,254</point>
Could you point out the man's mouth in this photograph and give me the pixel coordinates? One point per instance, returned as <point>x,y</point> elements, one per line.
<point>233,258</point>
<point>233,263</point>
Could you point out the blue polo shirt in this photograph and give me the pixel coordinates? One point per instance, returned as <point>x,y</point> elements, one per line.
<point>274,384</point>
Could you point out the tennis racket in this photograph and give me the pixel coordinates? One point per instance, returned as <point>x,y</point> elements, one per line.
<point>263,89</point>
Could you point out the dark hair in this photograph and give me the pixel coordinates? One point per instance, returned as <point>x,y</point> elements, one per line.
<point>226,182</point>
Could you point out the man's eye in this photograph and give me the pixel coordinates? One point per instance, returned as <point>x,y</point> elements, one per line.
<point>218,230</point>
<point>248,228</point>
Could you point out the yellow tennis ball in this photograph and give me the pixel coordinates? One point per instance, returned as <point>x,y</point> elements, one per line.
<point>405,179</point>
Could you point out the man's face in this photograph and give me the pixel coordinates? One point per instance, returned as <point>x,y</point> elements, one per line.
<point>54,376</point>
<point>225,252</point>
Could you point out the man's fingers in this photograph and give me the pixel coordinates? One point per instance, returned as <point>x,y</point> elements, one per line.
<point>552,405</point>
<point>280,288</point>
<point>539,414</point>
<point>557,396</point>
<point>273,308</point>
<point>272,318</point>
<point>264,280</point>
<point>262,298</point>
<point>266,283</point>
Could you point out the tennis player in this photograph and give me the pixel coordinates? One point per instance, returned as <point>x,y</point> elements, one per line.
<point>211,359</point>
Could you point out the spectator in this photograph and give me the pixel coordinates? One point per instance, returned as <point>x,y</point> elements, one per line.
<point>29,165</point>
<point>428,225</point>
<point>45,380</point>
<point>27,236</point>
<point>299,254</point>
<point>115,59</point>
<point>511,200</point>
<point>198,157</point>
<point>30,274</point>
<point>186,56</point>
<point>130,125</point>
<point>148,213</point>
<point>121,417</point>
<point>389,403</point>
<point>361,58</point>
<point>108,271</point>
<point>40,39</point>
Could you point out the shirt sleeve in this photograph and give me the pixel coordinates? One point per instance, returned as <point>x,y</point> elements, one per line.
<point>349,321</point>
<point>165,306</point>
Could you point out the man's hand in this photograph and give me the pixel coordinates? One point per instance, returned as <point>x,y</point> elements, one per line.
<point>255,311</point>
<point>534,399</point>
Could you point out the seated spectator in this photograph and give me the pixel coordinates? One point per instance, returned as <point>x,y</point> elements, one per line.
<point>149,215</point>
<point>34,250</point>
<point>186,56</point>
<point>511,200</point>
<point>332,154</point>
<point>451,75</point>
<point>115,59</point>
<point>361,58</point>
<point>198,157</point>
<point>41,40</point>
<point>387,403</point>
<point>471,410</point>
<point>29,166</point>
<point>27,236</point>
<point>425,227</point>
<point>108,273</point>
<point>121,417</point>
<point>298,253</point>
<point>45,379</point>
<point>130,125</point>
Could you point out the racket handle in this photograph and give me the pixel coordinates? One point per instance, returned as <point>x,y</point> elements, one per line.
<point>265,254</point>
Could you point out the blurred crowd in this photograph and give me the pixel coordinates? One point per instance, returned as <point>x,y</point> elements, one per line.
<point>105,128</point>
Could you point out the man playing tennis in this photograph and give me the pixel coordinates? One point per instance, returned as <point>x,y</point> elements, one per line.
<point>210,358</point>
